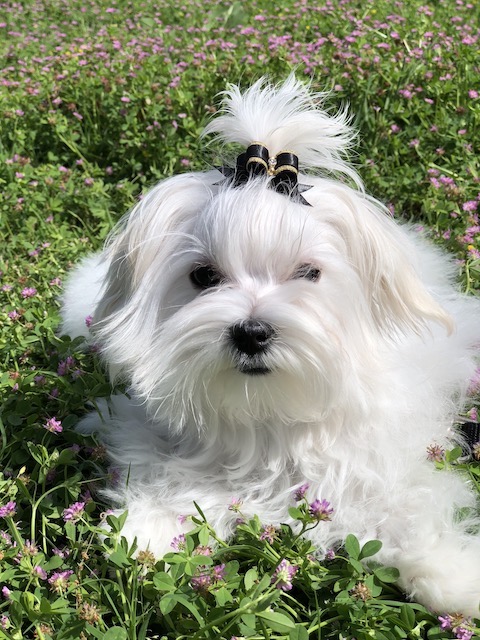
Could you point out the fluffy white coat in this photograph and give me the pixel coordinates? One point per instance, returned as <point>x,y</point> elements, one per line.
<point>368,366</point>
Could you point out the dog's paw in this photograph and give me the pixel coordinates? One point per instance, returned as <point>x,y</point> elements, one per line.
<point>445,577</point>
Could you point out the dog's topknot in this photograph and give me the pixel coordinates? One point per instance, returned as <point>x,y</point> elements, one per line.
<point>287,117</point>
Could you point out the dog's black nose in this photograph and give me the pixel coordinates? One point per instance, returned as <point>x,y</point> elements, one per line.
<point>252,336</point>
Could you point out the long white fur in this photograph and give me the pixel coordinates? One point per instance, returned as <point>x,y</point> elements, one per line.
<point>370,365</point>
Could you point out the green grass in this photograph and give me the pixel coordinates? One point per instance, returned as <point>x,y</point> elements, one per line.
<point>99,101</point>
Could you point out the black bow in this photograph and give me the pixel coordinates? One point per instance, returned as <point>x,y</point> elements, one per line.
<point>471,435</point>
<point>283,169</point>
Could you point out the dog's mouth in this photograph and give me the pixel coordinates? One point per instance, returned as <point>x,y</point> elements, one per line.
<point>254,371</point>
<point>251,365</point>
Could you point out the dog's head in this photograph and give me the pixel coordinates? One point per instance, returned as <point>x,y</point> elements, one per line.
<point>245,296</point>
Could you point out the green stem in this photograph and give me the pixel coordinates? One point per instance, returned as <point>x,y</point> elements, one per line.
<point>15,533</point>
<point>4,436</point>
<point>237,613</point>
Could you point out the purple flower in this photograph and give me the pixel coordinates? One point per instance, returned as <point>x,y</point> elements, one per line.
<point>53,425</point>
<point>88,321</point>
<point>28,292</point>
<point>470,206</point>
<point>30,548</point>
<point>299,493</point>
<point>207,577</point>
<point>8,510</point>
<point>203,550</point>
<point>447,181</point>
<point>435,453</point>
<point>235,504</point>
<point>218,572</point>
<point>73,512</point>
<point>64,366</point>
<point>269,533</point>
<point>41,573</point>
<point>201,583</point>
<point>58,580</point>
<point>283,575</point>
<point>6,537</point>
<point>455,623</point>
<point>179,543</point>
<point>321,510</point>
<point>6,592</point>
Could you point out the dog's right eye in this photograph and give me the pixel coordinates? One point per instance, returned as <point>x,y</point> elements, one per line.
<point>205,277</point>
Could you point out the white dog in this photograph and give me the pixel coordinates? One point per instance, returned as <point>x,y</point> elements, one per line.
<point>272,336</point>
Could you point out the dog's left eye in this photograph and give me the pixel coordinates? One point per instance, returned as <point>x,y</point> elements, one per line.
<point>307,272</point>
<point>206,276</point>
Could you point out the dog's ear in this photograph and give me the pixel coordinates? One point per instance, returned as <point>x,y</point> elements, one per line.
<point>138,254</point>
<point>388,264</point>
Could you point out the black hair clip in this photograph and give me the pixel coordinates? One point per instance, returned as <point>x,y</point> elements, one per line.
<point>282,168</point>
<point>470,432</point>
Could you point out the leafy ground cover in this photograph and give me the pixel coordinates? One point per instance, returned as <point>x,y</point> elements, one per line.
<point>97,102</point>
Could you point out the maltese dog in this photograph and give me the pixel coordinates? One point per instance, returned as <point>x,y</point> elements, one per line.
<point>277,328</point>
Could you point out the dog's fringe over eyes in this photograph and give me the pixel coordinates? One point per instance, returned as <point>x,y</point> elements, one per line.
<point>274,337</point>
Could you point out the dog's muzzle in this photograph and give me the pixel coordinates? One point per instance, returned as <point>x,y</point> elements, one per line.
<point>251,339</point>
